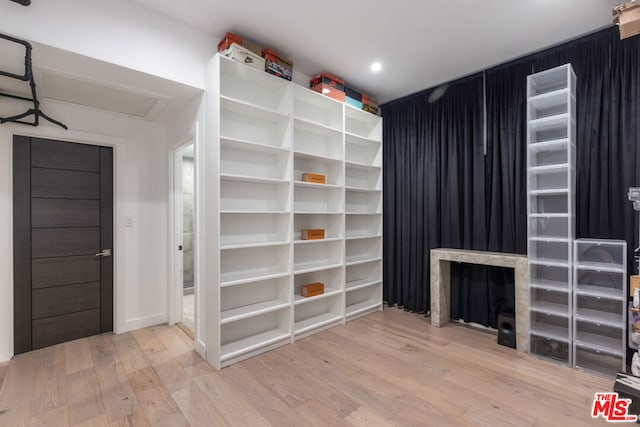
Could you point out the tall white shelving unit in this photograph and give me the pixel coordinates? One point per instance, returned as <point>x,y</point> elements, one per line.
<point>600,305</point>
<point>262,134</point>
<point>551,210</point>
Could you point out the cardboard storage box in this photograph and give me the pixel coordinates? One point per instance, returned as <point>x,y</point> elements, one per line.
<point>277,65</point>
<point>244,55</point>
<point>312,289</point>
<point>634,283</point>
<point>313,234</point>
<point>370,104</point>
<point>316,178</point>
<point>353,97</point>
<point>328,85</point>
<point>627,17</point>
<point>230,38</point>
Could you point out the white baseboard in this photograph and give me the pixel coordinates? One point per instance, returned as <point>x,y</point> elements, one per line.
<point>201,349</point>
<point>143,322</point>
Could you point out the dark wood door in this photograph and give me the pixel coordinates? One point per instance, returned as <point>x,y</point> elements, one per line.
<point>62,225</point>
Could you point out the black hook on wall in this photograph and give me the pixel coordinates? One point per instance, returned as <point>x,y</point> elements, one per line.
<point>23,2</point>
<point>36,112</point>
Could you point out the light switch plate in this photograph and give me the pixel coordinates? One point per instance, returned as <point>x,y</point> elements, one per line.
<point>128,221</point>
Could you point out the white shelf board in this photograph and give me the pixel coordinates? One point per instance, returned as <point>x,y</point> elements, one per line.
<point>558,167</point>
<point>247,311</point>
<point>549,262</point>
<point>316,185</point>
<point>363,213</point>
<point>360,165</point>
<point>549,308</point>
<point>254,245</point>
<point>312,156</point>
<point>366,236</point>
<point>252,146</point>
<point>234,212</point>
<point>314,322</point>
<point>550,99</point>
<point>363,190</point>
<point>361,284</point>
<point>549,239</point>
<point>549,215</point>
<point>600,292</point>
<point>600,349</point>
<point>251,110</point>
<point>599,342</point>
<point>307,268</point>
<point>551,145</point>
<point>259,278</point>
<point>361,307</point>
<point>364,260</point>
<point>298,212</point>
<point>328,292</point>
<point>600,267</point>
<point>600,317</point>
<point>549,122</point>
<point>544,330</point>
<point>255,179</point>
<point>316,127</point>
<point>351,135</point>
<point>254,342</point>
<point>549,192</point>
<point>299,241</point>
<point>550,286</point>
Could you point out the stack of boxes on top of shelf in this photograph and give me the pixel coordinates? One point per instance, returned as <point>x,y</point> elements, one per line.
<point>336,88</point>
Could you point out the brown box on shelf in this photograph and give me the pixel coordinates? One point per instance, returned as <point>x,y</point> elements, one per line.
<point>316,178</point>
<point>370,105</point>
<point>244,55</point>
<point>312,289</point>
<point>313,234</point>
<point>277,65</point>
<point>627,17</point>
<point>328,85</point>
<point>634,283</point>
<point>230,38</point>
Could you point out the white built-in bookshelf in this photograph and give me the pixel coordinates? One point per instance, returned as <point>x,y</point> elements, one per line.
<point>263,134</point>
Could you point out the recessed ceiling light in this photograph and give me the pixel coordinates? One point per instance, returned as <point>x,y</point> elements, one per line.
<point>376,66</point>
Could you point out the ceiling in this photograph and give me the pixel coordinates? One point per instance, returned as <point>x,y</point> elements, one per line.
<point>421,43</point>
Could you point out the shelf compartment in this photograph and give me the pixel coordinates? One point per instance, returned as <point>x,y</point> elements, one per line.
<point>253,298</point>
<point>331,169</point>
<point>322,254</point>
<point>363,124</point>
<point>332,280</point>
<point>364,273</point>
<point>237,265</point>
<point>557,350</point>
<point>548,81</point>
<point>245,160</point>
<point>253,86</point>
<point>599,337</point>
<point>359,203</point>
<point>363,249</point>
<point>250,197</point>
<point>314,107</point>
<point>550,250</point>
<point>550,180</point>
<point>363,299</point>
<point>551,277</point>
<point>600,283</point>
<point>549,204</point>
<point>599,310</point>
<point>599,362</point>
<point>549,104</point>
<point>317,314</point>
<point>368,178</point>
<point>241,121</point>
<point>541,161</point>
<point>247,335</point>
<point>316,139</point>
<point>550,326</point>
<point>601,253</point>
<point>363,151</point>
<point>549,302</point>
<point>332,225</point>
<point>318,199</point>
<point>239,144</point>
<point>248,229</point>
<point>552,227</point>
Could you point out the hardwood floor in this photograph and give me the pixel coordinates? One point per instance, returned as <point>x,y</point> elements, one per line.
<point>390,368</point>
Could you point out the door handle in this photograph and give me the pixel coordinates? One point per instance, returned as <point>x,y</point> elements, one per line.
<point>104,253</point>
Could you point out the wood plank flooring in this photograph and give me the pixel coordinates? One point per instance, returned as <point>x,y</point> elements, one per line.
<point>388,369</point>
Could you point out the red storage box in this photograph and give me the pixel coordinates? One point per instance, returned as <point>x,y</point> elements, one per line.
<point>230,38</point>
<point>328,85</point>
<point>370,104</point>
<point>277,65</point>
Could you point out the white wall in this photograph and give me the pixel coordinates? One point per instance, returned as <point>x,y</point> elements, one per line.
<point>141,168</point>
<point>117,31</point>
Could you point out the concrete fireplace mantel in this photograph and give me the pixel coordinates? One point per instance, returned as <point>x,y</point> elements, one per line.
<point>441,285</point>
